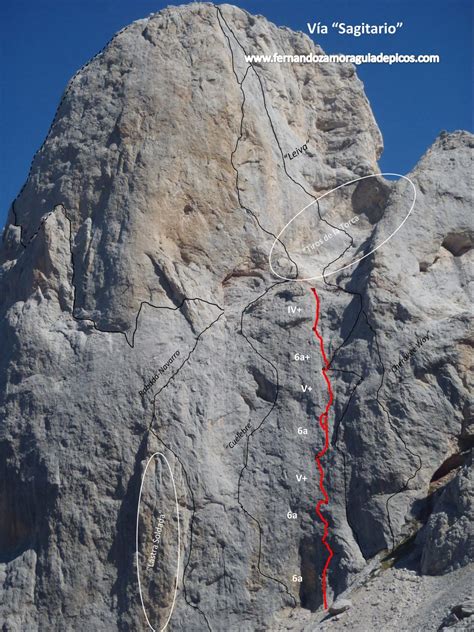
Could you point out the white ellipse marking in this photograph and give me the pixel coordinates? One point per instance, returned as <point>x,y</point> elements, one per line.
<point>179,543</point>
<point>373,175</point>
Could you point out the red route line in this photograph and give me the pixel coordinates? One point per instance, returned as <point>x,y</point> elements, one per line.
<point>323,422</point>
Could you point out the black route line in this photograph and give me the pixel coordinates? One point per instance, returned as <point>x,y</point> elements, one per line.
<point>143,303</point>
<point>193,514</point>
<point>313,197</point>
<point>40,225</point>
<point>65,94</point>
<point>131,341</point>
<point>268,413</point>
<point>355,323</point>
<point>415,455</point>
<point>252,302</point>
<point>191,527</point>
<point>239,138</point>
<point>153,418</point>
<point>382,367</point>
<point>335,443</point>
<point>131,344</point>
<point>182,365</point>
<point>338,422</point>
<point>339,287</point>
<point>262,91</point>
<point>219,16</point>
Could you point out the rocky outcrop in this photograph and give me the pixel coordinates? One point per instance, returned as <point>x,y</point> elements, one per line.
<point>141,317</point>
<point>447,536</point>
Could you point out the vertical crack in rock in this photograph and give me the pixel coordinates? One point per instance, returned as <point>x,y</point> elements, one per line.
<point>381,364</point>
<point>166,175</point>
<point>191,528</point>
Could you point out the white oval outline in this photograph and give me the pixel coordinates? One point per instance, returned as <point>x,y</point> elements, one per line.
<point>373,175</point>
<point>179,543</point>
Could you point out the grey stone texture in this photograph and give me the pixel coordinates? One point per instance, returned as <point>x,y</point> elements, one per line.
<point>144,228</point>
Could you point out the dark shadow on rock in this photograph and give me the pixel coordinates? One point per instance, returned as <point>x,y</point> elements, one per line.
<point>310,588</point>
<point>122,552</point>
<point>28,495</point>
<point>370,198</point>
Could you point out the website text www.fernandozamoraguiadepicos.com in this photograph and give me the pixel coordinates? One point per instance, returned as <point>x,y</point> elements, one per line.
<point>342,58</point>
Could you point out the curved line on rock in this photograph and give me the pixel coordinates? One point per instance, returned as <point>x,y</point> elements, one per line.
<point>239,483</point>
<point>245,466</point>
<point>352,263</point>
<point>131,345</point>
<point>179,542</point>
<point>64,96</point>
<point>362,311</point>
<point>239,138</point>
<point>191,523</point>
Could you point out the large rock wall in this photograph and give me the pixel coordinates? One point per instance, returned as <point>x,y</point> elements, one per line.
<point>144,229</point>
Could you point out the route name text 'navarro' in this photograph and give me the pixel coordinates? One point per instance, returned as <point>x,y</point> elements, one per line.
<point>160,371</point>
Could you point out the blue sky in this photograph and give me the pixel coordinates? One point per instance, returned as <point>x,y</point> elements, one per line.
<point>43,42</point>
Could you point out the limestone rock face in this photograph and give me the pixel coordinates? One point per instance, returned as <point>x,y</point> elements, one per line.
<point>448,534</point>
<point>148,350</point>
